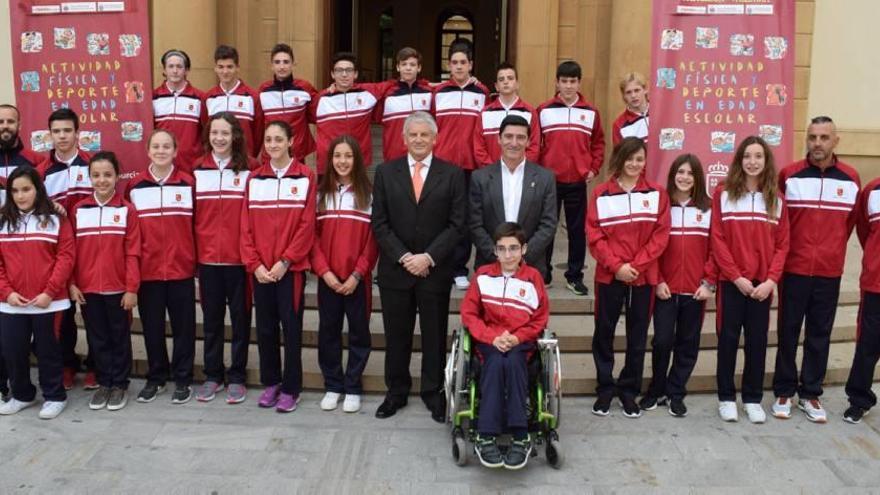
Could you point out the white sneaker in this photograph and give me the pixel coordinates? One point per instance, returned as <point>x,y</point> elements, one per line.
<point>727,411</point>
<point>14,405</point>
<point>330,400</point>
<point>755,412</point>
<point>52,408</point>
<point>782,408</point>
<point>352,403</point>
<point>814,410</point>
<point>462,283</point>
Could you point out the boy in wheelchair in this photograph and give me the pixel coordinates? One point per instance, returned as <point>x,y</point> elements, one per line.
<point>505,311</point>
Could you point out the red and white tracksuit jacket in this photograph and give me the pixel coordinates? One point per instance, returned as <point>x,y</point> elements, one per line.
<point>573,142</point>
<point>350,113</point>
<point>219,198</point>
<point>495,303</point>
<point>344,241</point>
<point>165,214</point>
<point>182,114</point>
<point>244,103</point>
<point>66,184</point>
<point>821,216</point>
<point>457,110</point>
<point>289,100</point>
<point>36,257</point>
<point>278,218</point>
<point>16,156</point>
<point>746,242</point>
<point>486,147</point>
<point>629,124</point>
<point>628,227</point>
<point>108,236</point>
<point>398,101</point>
<point>687,259</point>
<point>868,230</point>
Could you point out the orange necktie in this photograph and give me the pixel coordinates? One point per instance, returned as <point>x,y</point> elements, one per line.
<point>417,180</point>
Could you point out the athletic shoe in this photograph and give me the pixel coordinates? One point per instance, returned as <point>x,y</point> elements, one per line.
<point>286,403</point>
<point>782,408</point>
<point>68,378</point>
<point>518,453</point>
<point>52,408</point>
<point>118,399</point>
<point>853,414</point>
<point>4,395</point>
<point>813,409</point>
<point>602,406</point>
<point>727,410</point>
<point>182,394</point>
<point>330,401</point>
<point>14,405</point>
<point>352,403</point>
<point>90,382</point>
<point>269,397</point>
<point>208,391</point>
<point>462,283</point>
<point>649,402</point>
<point>99,399</point>
<point>755,412</point>
<point>677,408</point>
<point>236,393</point>
<point>488,452</point>
<point>577,287</point>
<point>150,391</point>
<point>630,408</point>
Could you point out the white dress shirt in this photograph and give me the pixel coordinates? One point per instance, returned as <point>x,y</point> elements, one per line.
<point>511,189</point>
<point>412,165</point>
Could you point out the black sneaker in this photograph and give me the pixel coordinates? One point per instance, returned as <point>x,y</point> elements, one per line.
<point>630,408</point>
<point>488,452</point>
<point>677,408</point>
<point>99,399</point>
<point>182,394</point>
<point>518,454</point>
<point>854,414</point>
<point>577,287</point>
<point>150,391</point>
<point>118,399</point>
<point>602,406</point>
<point>650,402</point>
<point>4,396</point>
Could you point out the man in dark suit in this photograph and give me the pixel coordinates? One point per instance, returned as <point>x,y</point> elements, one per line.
<point>418,217</point>
<point>514,190</point>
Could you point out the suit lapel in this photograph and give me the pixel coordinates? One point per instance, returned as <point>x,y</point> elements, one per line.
<point>528,194</point>
<point>496,189</point>
<point>435,175</point>
<point>401,170</point>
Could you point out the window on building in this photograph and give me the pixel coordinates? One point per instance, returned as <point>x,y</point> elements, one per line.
<point>453,26</point>
<point>387,62</point>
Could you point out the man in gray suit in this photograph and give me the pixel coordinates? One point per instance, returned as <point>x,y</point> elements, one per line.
<point>513,190</point>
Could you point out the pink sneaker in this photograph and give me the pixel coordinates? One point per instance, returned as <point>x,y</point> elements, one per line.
<point>287,403</point>
<point>269,397</point>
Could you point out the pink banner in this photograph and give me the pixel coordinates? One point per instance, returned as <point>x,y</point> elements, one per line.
<point>721,71</point>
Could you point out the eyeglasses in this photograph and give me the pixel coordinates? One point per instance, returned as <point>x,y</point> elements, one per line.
<point>508,249</point>
<point>343,70</point>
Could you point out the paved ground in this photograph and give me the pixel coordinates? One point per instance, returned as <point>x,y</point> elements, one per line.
<point>216,448</point>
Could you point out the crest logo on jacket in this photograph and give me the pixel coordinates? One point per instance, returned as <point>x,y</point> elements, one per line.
<point>522,292</point>
<point>476,102</point>
<point>583,117</point>
<point>236,181</point>
<point>293,190</point>
<point>699,217</point>
<point>79,178</point>
<point>646,204</point>
<point>360,101</point>
<point>116,218</point>
<point>296,99</point>
<point>424,102</point>
<point>839,192</point>
<point>191,107</point>
<point>178,197</point>
<point>241,104</point>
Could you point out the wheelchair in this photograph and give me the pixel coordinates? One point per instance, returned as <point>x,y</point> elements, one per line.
<point>462,387</point>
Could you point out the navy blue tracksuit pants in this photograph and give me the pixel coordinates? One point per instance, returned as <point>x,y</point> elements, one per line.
<point>677,324</point>
<point>281,302</point>
<point>814,299</point>
<point>68,338</point>
<point>504,389</point>
<point>108,328</point>
<point>221,286</point>
<point>332,308</point>
<point>18,331</point>
<point>179,298</point>
<point>737,313</point>
<point>861,375</point>
<point>637,302</point>
<point>4,375</point>
<point>573,196</point>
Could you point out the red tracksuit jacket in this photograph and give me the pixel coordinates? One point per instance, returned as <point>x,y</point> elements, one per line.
<point>628,227</point>
<point>629,124</point>
<point>66,184</point>
<point>457,110</point>
<point>397,102</point>
<point>486,147</point>
<point>573,142</point>
<point>165,214</point>
<point>344,241</point>
<point>181,114</point>
<point>34,258</point>
<point>868,229</point>
<point>219,198</point>
<point>110,234</point>
<point>687,259</point>
<point>821,215</point>
<point>495,303</point>
<point>278,218</point>
<point>745,241</point>
<point>289,100</point>
<point>12,158</point>
<point>349,113</point>
<point>244,103</point>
